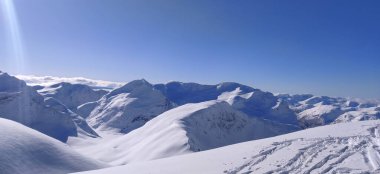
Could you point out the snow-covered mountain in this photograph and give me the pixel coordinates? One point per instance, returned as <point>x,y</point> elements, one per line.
<point>132,105</point>
<point>340,148</point>
<point>72,95</point>
<point>185,129</point>
<point>140,122</point>
<point>261,105</point>
<point>253,102</point>
<point>320,110</point>
<point>23,104</point>
<point>128,107</point>
<point>26,151</point>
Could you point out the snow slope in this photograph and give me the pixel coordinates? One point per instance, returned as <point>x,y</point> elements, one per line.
<point>26,151</point>
<point>339,148</point>
<point>72,95</point>
<point>185,129</point>
<point>21,103</point>
<point>128,107</point>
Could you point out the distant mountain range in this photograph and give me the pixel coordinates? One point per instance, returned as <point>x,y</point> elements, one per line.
<point>139,121</point>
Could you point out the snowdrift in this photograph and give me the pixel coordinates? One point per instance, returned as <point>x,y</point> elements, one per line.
<point>26,151</point>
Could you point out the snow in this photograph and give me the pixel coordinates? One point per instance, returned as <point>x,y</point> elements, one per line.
<point>81,125</point>
<point>181,128</point>
<point>72,95</point>
<point>183,93</point>
<point>339,148</point>
<point>319,115</point>
<point>26,151</point>
<point>261,105</point>
<point>185,129</point>
<point>359,115</point>
<point>85,109</point>
<point>128,107</point>
<point>229,96</point>
<point>21,103</point>
<point>321,110</point>
<point>253,102</point>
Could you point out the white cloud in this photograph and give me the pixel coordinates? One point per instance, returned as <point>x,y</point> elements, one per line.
<point>50,80</point>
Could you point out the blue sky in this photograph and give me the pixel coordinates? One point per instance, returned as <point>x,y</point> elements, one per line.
<point>319,46</point>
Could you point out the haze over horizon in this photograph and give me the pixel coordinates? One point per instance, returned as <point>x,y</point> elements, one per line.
<point>319,47</point>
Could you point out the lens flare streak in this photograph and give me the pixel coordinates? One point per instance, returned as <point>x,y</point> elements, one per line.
<point>14,35</point>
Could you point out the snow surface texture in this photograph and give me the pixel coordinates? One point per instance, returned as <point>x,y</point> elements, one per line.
<point>26,151</point>
<point>185,129</point>
<point>23,104</point>
<point>50,80</point>
<point>316,111</point>
<point>72,95</point>
<point>340,148</point>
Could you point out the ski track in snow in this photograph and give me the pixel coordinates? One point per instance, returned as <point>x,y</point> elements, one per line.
<point>340,148</point>
<point>320,155</point>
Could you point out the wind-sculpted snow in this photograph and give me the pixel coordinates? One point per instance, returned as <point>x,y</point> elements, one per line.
<point>185,129</point>
<point>339,148</point>
<point>26,151</point>
<point>21,103</point>
<point>72,95</point>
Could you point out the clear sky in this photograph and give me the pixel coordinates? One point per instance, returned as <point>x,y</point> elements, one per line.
<point>322,47</point>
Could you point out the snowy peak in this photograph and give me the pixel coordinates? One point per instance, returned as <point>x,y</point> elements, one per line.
<point>11,84</point>
<point>128,107</point>
<point>261,105</point>
<point>136,87</point>
<point>253,102</point>
<point>230,86</point>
